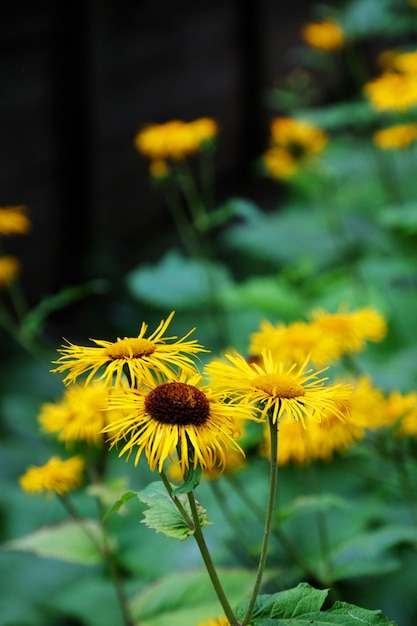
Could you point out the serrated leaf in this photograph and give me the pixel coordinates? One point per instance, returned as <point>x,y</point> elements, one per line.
<point>119,503</point>
<point>187,598</point>
<point>301,606</point>
<point>70,541</point>
<point>163,515</point>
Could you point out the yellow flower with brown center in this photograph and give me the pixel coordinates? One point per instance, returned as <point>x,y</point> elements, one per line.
<point>180,416</point>
<point>392,91</point>
<point>56,476</point>
<point>81,415</point>
<point>109,360</point>
<point>325,36</point>
<point>9,270</point>
<point>175,139</point>
<point>275,388</point>
<point>351,329</point>
<point>398,136</point>
<point>14,221</point>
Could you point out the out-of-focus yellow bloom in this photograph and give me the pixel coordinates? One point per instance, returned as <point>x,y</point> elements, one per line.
<point>365,404</point>
<point>56,476</point>
<point>292,143</point>
<point>9,269</point>
<point>399,411</point>
<point>175,139</point>
<point>158,169</point>
<point>405,62</point>
<point>14,220</point>
<point>392,91</point>
<point>81,415</point>
<point>398,136</point>
<point>325,36</point>
<point>220,621</point>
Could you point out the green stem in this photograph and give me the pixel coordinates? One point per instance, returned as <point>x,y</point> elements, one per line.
<point>199,537</point>
<point>192,197</point>
<point>176,501</point>
<point>273,429</point>
<point>182,225</point>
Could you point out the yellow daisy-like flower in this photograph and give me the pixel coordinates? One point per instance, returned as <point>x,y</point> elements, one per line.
<point>398,136</point>
<point>139,355</point>
<point>14,220</point>
<point>9,270</point>
<point>80,416</point>
<point>175,139</point>
<point>56,476</point>
<point>294,343</point>
<point>365,404</point>
<point>325,36</point>
<point>179,414</point>
<point>392,91</point>
<point>276,389</point>
<point>399,411</point>
<point>299,137</point>
<point>405,62</point>
<point>220,621</point>
<point>351,329</point>
<point>279,163</point>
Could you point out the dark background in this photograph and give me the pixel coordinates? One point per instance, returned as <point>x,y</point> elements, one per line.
<point>80,78</point>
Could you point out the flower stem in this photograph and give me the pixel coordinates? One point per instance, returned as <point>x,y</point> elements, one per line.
<point>273,473</point>
<point>199,537</point>
<point>176,501</point>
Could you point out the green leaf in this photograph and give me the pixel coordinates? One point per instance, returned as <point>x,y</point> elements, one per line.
<point>191,481</point>
<point>119,503</point>
<point>75,542</point>
<point>301,606</point>
<point>163,515</point>
<point>178,283</point>
<point>187,598</point>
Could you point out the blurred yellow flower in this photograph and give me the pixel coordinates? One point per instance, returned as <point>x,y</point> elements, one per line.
<point>351,329</point>
<point>108,361</point>
<point>325,36</point>
<point>399,411</point>
<point>292,143</point>
<point>365,404</point>
<point>158,168</point>
<point>392,91</point>
<point>14,220</point>
<point>56,476</point>
<point>81,415</point>
<point>220,621</point>
<point>9,269</point>
<point>175,139</point>
<point>405,62</point>
<point>398,136</point>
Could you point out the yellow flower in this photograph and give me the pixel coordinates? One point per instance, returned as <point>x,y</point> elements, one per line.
<point>14,221</point>
<point>405,62</point>
<point>220,621</point>
<point>294,343</point>
<point>398,136</point>
<point>175,139</point>
<point>398,411</point>
<point>140,355</point>
<point>317,442</point>
<point>158,168</point>
<point>56,476</point>
<point>275,388</point>
<point>177,414</point>
<point>351,329</point>
<point>9,269</point>
<point>325,36</point>
<point>365,404</point>
<point>293,142</point>
<point>80,416</point>
<point>392,91</point>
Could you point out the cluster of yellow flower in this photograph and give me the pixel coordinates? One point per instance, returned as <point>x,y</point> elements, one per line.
<point>174,141</point>
<point>13,221</point>
<point>292,145</point>
<point>147,395</point>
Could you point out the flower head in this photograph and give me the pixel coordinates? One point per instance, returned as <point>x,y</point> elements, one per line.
<point>9,269</point>
<point>140,355</point>
<point>81,415</point>
<point>398,136</point>
<point>325,36</point>
<point>56,476</point>
<point>14,221</point>
<point>274,388</point>
<point>178,414</point>
<point>392,91</point>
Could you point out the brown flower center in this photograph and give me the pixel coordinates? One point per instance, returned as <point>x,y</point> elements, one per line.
<point>177,403</point>
<point>278,385</point>
<point>130,348</point>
